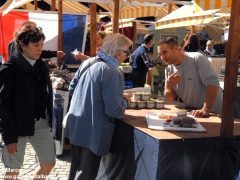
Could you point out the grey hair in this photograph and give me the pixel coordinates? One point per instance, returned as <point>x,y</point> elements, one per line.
<point>114,42</point>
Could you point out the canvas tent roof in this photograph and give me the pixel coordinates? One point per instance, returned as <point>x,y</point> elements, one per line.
<point>11,4</point>
<point>129,9</point>
<point>68,6</point>
<point>213,4</point>
<point>139,10</point>
<point>128,23</point>
<point>185,16</point>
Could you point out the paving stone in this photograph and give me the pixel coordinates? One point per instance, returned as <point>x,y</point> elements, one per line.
<point>59,172</point>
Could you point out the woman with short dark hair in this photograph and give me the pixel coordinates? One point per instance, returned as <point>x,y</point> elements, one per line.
<point>26,104</point>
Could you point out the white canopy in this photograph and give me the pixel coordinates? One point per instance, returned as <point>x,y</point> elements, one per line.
<point>186,16</point>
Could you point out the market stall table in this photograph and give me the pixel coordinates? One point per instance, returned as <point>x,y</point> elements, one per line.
<point>162,155</point>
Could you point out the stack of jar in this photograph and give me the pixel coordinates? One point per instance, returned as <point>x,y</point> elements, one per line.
<point>142,100</point>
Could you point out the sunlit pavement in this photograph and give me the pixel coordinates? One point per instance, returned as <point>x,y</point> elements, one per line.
<point>60,171</point>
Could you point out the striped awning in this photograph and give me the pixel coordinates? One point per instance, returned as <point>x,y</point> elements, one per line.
<point>122,23</point>
<point>11,4</point>
<point>195,28</point>
<point>213,4</point>
<point>143,11</point>
<point>71,6</point>
<point>142,1</point>
<point>184,17</point>
<point>215,29</point>
<point>183,22</point>
<point>133,11</point>
<point>127,23</point>
<point>30,7</point>
<point>68,6</point>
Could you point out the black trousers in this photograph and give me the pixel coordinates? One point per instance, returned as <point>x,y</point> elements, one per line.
<point>119,163</point>
<point>138,78</point>
<point>84,164</point>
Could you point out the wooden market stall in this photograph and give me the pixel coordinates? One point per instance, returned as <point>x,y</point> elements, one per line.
<point>154,148</point>
<point>147,146</point>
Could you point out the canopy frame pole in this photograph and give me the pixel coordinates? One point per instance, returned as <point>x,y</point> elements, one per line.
<point>53,5</point>
<point>116,16</point>
<point>35,4</point>
<point>60,38</point>
<point>231,69</point>
<point>93,28</point>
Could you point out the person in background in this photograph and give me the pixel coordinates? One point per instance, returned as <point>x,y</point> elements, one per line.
<point>26,105</point>
<point>184,40</point>
<point>99,40</point>
<point>97,100</point>
<point>190,76</point>
<point>209,48</point>
<point>140,61</point>
<point>191,43</point>
<point>45,53</point>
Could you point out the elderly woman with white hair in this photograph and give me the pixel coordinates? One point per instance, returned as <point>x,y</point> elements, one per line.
<point>97,99</point>
<point>209,48</point>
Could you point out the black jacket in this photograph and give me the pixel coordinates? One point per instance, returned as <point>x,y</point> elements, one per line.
<point>25,96</point>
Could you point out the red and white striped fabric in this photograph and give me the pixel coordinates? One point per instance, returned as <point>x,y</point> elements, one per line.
<point>11,22</point>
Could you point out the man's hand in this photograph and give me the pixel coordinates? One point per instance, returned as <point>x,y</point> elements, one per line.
<point>209,102</point>
<point>12,148</point>
<point>173,79</point>
<point>200,113</point>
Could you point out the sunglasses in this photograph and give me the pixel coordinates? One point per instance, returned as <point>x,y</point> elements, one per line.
<point>126,52</point>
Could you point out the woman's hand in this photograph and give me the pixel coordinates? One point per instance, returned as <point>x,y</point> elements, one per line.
<point>127,96</point>
<point>80,56</point>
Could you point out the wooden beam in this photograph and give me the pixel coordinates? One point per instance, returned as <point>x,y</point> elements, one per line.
<point>116,16</point>
<point>35,4</point>
<point>93,28</point>
<point>24,6</point>
<point>193,30</point>
<point>134,33</point>
<point>170,8</point>
<point>53,5</point>
<point>60,2</point>
<point>183,2</point>
<point>230,82</point>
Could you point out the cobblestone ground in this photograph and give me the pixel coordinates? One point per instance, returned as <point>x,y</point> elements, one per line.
<point>60,171</point>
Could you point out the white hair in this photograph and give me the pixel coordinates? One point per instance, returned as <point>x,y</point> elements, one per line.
<point>114,42</point>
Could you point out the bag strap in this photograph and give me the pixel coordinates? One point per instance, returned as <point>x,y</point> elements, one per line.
<point>89,65</point>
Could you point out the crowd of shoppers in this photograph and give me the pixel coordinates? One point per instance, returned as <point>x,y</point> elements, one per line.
<point>97,96</point>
